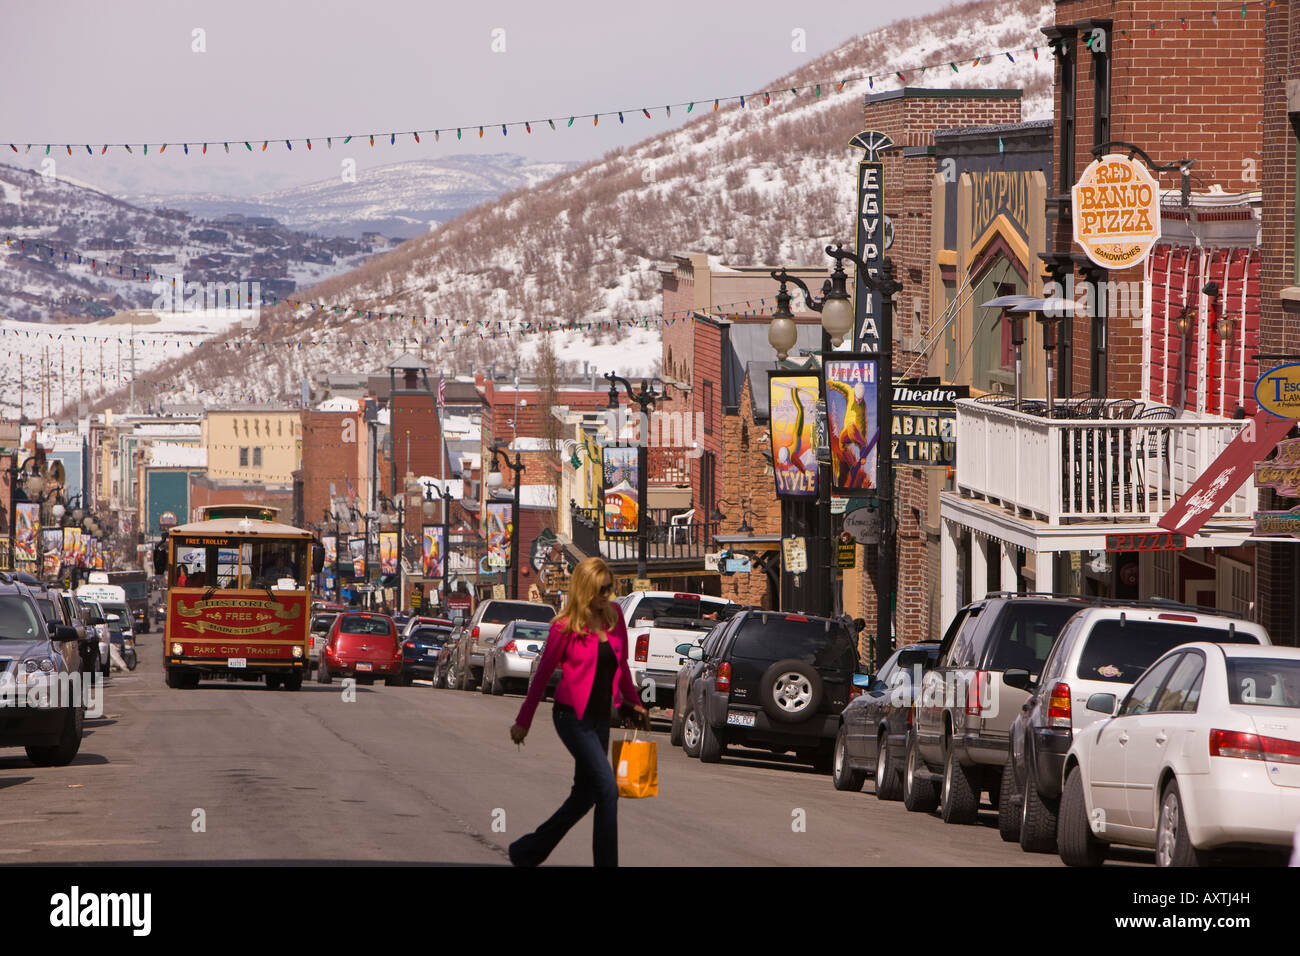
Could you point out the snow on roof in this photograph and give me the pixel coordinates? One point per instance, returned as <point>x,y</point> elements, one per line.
<point>167,454</point>
<point>338,404</point>
<point>158,429</point>
<point>453,486</point>
<point>528,443</point>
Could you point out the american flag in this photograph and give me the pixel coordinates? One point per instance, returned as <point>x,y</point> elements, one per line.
<point>442,392</point>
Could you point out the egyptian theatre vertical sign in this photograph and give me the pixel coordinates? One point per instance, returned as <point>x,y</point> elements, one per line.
<point>873,238</point>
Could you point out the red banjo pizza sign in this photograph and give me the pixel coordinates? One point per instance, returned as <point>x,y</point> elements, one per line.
<point>1116,211</point>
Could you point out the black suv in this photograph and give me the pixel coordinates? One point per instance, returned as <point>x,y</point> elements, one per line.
<point>775,681</point>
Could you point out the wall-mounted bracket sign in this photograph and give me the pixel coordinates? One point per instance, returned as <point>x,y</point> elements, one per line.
<point>1278,523</point>
<point>1278,391</point>
<point>1282,473</point>
<point>1116,211</point>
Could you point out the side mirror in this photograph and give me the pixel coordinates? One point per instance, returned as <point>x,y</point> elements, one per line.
<point>160,557</point>
<point>696,653</point>
<point>1018,677</point>
<point>684,650</point>
<point>317,558</point>
<point>1102,704</point>
<point>862,680</point>
<point>533,648</point>
<point>63,632</point>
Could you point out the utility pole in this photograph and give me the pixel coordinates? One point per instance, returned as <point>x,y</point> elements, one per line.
<point>22,391</point>
<point>131,403</point>
<point>63,380</point>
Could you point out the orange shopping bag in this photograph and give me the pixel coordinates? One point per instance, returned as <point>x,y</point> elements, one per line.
<point>636,766</point>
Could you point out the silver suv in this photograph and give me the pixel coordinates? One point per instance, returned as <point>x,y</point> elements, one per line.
<point>963,713</point>
<point>477,635</point>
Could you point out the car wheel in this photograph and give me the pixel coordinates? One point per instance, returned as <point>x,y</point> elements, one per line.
<point>843,776</point>
<point>498,686</point>
<point>292,682</point>
<point>889,779</point>
<point>1075,841</point>
<point>919,795</point>
<point>675,733</point>
<point>712,746</point>
<point>450,678</point>
<point>484,686</point>
<point>322,673</point>
<point>61,754</point>
<point>1037,820</point>
<point>691,733</point>
<point>1173,843</point>
<point>959,801</point>
<point>791,691</point>
<point>1008,815</point>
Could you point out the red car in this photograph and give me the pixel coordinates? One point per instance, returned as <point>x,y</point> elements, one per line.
<point>364,646</point>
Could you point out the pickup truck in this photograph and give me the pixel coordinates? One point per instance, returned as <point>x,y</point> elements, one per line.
<point>657,622</point>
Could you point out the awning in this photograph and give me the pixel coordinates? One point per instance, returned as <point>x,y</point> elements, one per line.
<point>747,539</point>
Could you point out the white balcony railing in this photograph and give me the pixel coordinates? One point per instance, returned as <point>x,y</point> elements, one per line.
<point>1066,470</point>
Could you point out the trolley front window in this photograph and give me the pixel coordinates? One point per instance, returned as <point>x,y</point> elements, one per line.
<point>233,563</point>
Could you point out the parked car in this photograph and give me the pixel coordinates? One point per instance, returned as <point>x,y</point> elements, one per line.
<point>775,681</point>
<point>121,635</point>
<point>657,621</point>
<point>321,623</point>
<point>362,644</point>
<point>961,723</point>
<point>1101,650</point>
<point>687,673</point>
<point>551,683</point>
<point>509,662</point>
<point>425,621</point>
<point>87,636</point>
<point>33,653</point>
<point>420,649</point>
<point>444,670</point>
<point>873,727</point>
<point>59,610</point>
<point>477,635</point>
<point>1203,754</point>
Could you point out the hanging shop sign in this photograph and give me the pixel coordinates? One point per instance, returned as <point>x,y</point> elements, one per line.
<point>619,467</point>
<point>1282,472</point>
<point>1278,523</point>
<point>925,422</point>
<point>874,236</point>
<point>1116,211</point>
<point>846,551</point>
<point>388,552</point>
<point>852,421</point>
<point>500,525</point>
<point>793,399</point>
<point>1278,391</point>
<point>863,525</point>
<point>28,522</point>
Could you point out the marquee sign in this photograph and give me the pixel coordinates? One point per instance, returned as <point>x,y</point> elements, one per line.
<point>1278,523</point>
<point>873,236</point>
<point>1282,474</point>
<point>1116,211</point>
<point>1278,391</point>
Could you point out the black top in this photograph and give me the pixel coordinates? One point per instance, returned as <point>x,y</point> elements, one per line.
<point>602,688</point>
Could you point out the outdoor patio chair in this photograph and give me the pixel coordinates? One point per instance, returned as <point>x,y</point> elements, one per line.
<point>1152,443</point>
<point>679,531</point>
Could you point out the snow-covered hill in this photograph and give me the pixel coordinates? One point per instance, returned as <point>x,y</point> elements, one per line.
<point>399,200</point>
<point>763,184</point>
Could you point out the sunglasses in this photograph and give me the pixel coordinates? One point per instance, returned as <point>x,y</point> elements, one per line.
<point>607,589</point>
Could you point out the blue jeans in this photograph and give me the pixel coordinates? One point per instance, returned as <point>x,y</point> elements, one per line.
<point>593,785</point>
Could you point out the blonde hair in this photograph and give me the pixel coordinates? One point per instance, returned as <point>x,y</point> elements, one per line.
<point>578,616</point>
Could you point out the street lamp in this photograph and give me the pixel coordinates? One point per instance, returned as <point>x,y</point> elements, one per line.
<point>331,515</point>
<point>645,399</point>
<point>397,504</point>
<point>500,451</point>
<point>836,310</point>
<point>447,498</point>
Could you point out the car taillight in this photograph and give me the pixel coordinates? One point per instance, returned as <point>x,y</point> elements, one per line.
<point>975,694</point>
<point>510,647</point>
<point>1232,743</point>
<point>854,692</point>
<point>474,632</point>
<point>643,647</point>
<point>722,683</point>
<point>409,644</point>
<point>1058,706</point>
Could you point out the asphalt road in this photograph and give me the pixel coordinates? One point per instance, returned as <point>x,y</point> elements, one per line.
<point>413,774</point>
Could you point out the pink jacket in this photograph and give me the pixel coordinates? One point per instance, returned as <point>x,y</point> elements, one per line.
<point>576,655</point>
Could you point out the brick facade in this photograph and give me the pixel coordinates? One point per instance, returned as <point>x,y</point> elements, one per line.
<point>745,481</point>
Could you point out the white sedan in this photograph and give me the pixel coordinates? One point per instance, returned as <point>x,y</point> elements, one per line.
<point>1203,754</point>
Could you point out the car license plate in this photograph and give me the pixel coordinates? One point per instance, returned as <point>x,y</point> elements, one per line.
<point>740,718</point>
<point>237,662</point>
<point>362,666</point>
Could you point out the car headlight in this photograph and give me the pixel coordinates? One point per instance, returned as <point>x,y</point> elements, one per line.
<point>39,664</point>
<point>177,650</point>
<point>297,650</point>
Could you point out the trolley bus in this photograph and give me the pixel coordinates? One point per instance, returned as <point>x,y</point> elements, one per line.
<point>238,597</point>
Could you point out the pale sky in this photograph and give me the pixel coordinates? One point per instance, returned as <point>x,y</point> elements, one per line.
<point>78,71</point>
